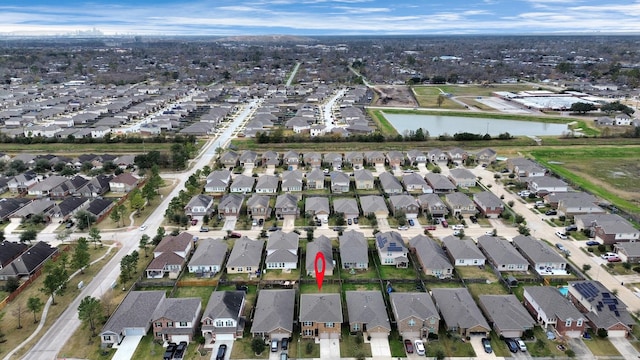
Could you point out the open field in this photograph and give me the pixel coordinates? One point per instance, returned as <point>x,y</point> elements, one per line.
<point>608,172</point>
<point>70,149</point>
<point>427,96</point>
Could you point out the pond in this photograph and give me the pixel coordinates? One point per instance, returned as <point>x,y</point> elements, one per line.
<point>440,125</point>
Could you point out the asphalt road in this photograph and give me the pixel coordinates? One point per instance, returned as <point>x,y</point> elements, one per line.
<point>51,342</point>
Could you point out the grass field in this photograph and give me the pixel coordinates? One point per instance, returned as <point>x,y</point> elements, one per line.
<point>606,171</point>
<point>71,149</point>
<point>427,96</point>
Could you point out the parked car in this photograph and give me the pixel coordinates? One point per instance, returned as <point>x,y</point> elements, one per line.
<point>349,222</point>
<point>571,227</point>
<point>411,222</point>
<point>194,222</point>
<point>180,349</point>
<point>420,347</point>
<point>254,222</point>
<point>561,235</point>
<point>355,220</point>
<point>592,243</point>
<point>444,223</point>
<point>473,219</point>
<point>456,232</point>
<point>430,227</point>
<point>408,345</point>
<point>457,227</point>
<point>284,344</point>
<point>260,222</point>
<point>204,229</point>
<point>486,344</point>
<point>69,225</point>
<point>274,228</point>
<point>143,227</point>
<point>551,212</point>
<point>235,235</point>
<point>403,227</point>
<point>614,259</point>
<point>222,351</point>
<point>284,356</point>
<point>521,345</point>
<point>512,345</point>
<point>169,351</point>
<point>274,345</point>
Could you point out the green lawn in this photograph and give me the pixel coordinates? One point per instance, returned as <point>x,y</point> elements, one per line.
<point>450,344</point>
<point>396,345</point>
<point>281,274</point>
<point>358,274</point>
<point>242,349</point>
<point>600,346</point>
<point>361,287</point>
<point>353,345</point>
<point>303,348</point>
<point>474,272</point>
<point>495,288</point>
<point>202,292</point>
<point>313,289</point>
<point>543,347</point>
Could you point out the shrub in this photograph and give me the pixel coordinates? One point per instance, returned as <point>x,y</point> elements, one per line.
<point>602,248</point>
<point>603,333</point>
<point>308,348</point>
<point>570,353</point>
<point>257,345</point>
<point>636,269</point>
<point>586,267</point>
<point>590,249</point>
<point>626,265</point>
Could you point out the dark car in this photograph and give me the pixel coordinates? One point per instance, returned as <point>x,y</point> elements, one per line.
<point>473,219</point>
<point>194,222</point>
<point>411,222</point>
<point>408,345</point>
<point>180,349</point>
<point>284,345</point>
<point>222,350</point>
<point>551,212</point>
<point>486,344</point>
<point>260,222</point>
<point>235,235</point>
<point>592,243</point>
<point>430,227</point>
<point>69,225</point>
<point>512,345</point>
<point>355,220</point>
<point>274,228</point>
<point>241,287</point>
<point>571,228</point>
<point>204,229</point>
<point>170,351</point>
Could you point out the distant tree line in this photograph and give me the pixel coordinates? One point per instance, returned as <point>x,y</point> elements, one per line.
<point>108,138</point>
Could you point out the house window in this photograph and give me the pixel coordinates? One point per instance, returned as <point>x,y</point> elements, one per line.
<point>169,323</point>
<point>356,327</point>
<point>158,324</point>
<point>107,338</point>
<point>239,268</point>
<point>248,268</point>
<point>208,322</point>
<point>432,321</point>
<point>229,323</point>
<point>308,332</point>
<point>308,323</point>
<point>579,322</point>
<point>329,325</point>
<point>219,323</point>
<point>388,261</point>
<point>183,323</point>
<point>411,322</point>
<point>568,323</point>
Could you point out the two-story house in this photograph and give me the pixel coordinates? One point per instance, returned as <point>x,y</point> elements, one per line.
<point>170,256</point>
<point>176,319</point>
<point>391,249</point>
<point>551,309</point>
<point>320,316</point>
<point>222,318</point>
<point>282,250</point>
<point>415,313</point>
<point>489,204</point>
<point>258,207</point>
<point>368,314</point>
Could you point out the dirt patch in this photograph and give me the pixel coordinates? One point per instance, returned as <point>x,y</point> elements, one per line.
<point>395,96</point>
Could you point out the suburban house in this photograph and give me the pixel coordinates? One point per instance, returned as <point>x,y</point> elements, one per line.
<point>333,160</point>
<point>29,262</point>
<point>460,204</point>
<point>208,257</point>
<point>551,309</point>
<point>525,168</point>
<point>346,206</point>
<point>368,314</point>
<point>507,315</point>
<point>391,249</point>
<point>554,199</point>
<point>229,159</point>
<point>603,309</point>
<point>440,183</point>
<point>123,183</point>
<point>315,179</point>
<point>457,155</point>
<point>578,206</point>
<point>375,158</point>
<point>501,254</point>
<point>46,187</point>
<point>460,312</point>
<point>317,207</point>
<point>339,182</point>
<point>463,252</point>
<point>321,244</point>
<point>169,256</point>
<point>287,205</point>
<point>627,251</point>
<point>356,159</point>
<point>291,159</point>
<point>462,178</point>
<point>222,318</point>
<point>270,159</point>
<point>432,258</point>
<point>258,207</point>
<point>22,182</point>
<point>395,159</point>
<point>406,204</point>
<point>245,256</point>
<point>282,251</point>
<point>374,204</point>
<point>364,179</point>
<point>415,313</point>
<point>267,184</point>
<point>437,156</point>
<point>218,181</point>
<point>353,250</point>
<point>292,180</point>
<point>320,316</point>
<point>608,228</point>
<point>132,317</point>
<point>242,184</point>
<point>199,206</point>
<point>415,182</point>
<point>68,207</point>
<point>390,184</point>
<point>10,251</point>
<point>273,315</point>
<point>432,204</point>
<point>230,205</point>
<point>489,204</point>
<point>542,185</point>
<point>312,159</point>
<point>416,157</point>
<point>486,156</point>
<point>542,257</point>
<point>176,319</point>
<point>248,159</point>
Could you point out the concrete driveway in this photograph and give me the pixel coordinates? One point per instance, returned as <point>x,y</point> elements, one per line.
<point>624,347</point>
<point>288,223</point>
<point>580,348</point>
<point>229,224</point>
<point>127,347</point>
<point>476,343</point>
<point>227,355</point>
<point>330,349</point>
<point>379,347</point>
<point>383,223</point>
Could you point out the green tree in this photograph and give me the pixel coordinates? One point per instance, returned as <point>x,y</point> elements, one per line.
<point>84,219</point>
<point>55,282</point>
<point>586,268</point>
<point>28,235</point>
<point>128,266</point>
<point>581,107</point>
<point>144,242</point>
<point>149,191</point>
<point>62,235</point>
<point>94,236</point>
<point>257,345</point>
<point>136,201</point>
<point>34,304</point>
<point>115,216</point>
<point>11,285</point>
<point>89,312</point>
<point>81,257</point>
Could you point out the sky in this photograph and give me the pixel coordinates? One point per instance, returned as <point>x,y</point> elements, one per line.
<point>318,17</point>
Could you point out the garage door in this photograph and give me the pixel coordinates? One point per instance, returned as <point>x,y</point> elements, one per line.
<point>573,334</point>
<point>411,335</point>
<point>334,335</point>
<point>278,336</point>
<point>379,335</point>
<point>134,331</point>
<point>222,337</point>
<point>178,338</point>
<point>617,333</point>
<point>511,334</point>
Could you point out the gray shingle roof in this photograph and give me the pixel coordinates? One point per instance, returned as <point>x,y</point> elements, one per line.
<point>320,308</point>
<point>506,312</point>
<point>317,204</point>
<point>246,252</point>
<point>178,309</point>
<point>135,311</point>
<point>353,248</point>
<point>488,199</point>
<point>274,310</point>
<point>431,255</point>
<point>418,304</point>
<point>224,304</point>
<point>500,250</point>
<point>458,308</point>
<point>439,182</point>
<point>552,302</point>
<point>209,252</point>
<point>320,244</point>
<point>346,206</point>
<point>389,182</point>
<point>373,203</point>
<point>462,249</point>
<point>536,250</point>
<point>367,307</point>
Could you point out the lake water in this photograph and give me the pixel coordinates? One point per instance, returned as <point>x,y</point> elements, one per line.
<point>439,125</point>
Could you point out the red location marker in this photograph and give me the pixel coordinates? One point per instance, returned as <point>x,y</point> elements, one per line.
<point>319,269</point>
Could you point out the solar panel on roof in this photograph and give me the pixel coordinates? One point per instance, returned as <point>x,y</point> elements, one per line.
<point>612,307</point>
<point>606,295</point>
<point>616,312</point>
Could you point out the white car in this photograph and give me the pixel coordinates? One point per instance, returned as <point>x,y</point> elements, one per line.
<point>521,345</point>
<point>420,347</point>
<point>561,235</point>
<point>143,227</point>
<point>457,227</point>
